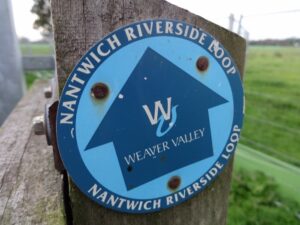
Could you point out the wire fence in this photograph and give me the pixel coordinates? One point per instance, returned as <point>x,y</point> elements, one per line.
<point>236,23</point>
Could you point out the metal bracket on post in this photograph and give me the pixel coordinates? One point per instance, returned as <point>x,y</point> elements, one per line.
<point>50,128</point>
<point>46,125</point>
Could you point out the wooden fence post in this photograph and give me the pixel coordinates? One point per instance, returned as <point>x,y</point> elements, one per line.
<point>77,26</point>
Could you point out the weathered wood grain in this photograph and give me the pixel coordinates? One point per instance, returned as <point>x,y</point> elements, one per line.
<point>30,187</point>
<point>77,26</point>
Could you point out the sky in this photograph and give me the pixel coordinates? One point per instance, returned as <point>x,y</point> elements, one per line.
<point>263,19</point>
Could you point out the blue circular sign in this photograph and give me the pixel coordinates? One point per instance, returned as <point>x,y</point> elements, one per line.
<point>150,116</point>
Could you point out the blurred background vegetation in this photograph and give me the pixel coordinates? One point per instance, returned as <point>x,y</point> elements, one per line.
<point>266,178</point>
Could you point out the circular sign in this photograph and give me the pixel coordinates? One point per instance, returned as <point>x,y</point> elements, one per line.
<point>150,116</point>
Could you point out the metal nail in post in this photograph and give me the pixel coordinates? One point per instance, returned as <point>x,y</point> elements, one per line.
<point>38,125</point>
<point>48,92</point>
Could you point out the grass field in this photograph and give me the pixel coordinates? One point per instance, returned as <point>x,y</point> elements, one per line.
<point>272,89</point>
<point>36,49</point>
<point>264,190</point>
<point>266,178</point>
<point>287,176</point>
<point>31,76</point>
<point>255,200</point>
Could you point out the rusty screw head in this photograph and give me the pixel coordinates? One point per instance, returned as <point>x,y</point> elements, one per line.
<point>100,91</point>
<point>202,63</point>
<point>174,183</point>
<point>38,125</point>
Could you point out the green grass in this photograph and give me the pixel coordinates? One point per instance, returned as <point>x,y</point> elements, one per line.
<point>287,176</point>
<point>255,200</point>
<point>264,190</point>
<point>32,76</point>
<point>272,89</point>
<point>266,177</point>
<point>36,49</point>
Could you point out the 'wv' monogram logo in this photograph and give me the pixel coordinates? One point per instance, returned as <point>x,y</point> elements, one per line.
<point>165,116</point>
